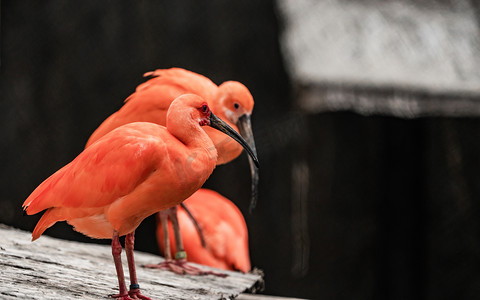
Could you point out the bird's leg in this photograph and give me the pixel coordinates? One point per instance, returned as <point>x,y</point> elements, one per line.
<point>117,259</point>
<point>180,264</point>
<point>134,291</point>
<point>180,253</point>
<point>166,240</point>
<point>165,265</point>
<point>168,264</point>
<point>195,223</point>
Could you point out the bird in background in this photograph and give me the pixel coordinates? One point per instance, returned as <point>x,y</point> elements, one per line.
<point>128,174</point>
<point>225,234</point>
<point>231,101</point>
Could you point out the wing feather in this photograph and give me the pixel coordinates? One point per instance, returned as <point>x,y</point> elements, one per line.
<point>107,170</point>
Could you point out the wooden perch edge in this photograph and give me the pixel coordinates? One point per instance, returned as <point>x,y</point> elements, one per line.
<point>54,269</point>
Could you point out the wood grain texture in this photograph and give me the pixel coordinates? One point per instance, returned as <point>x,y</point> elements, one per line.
<point>51,268</point>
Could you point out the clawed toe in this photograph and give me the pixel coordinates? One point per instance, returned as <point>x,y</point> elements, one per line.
<point>182,267</point>
<point>120,297</point>
<point>135,294</point>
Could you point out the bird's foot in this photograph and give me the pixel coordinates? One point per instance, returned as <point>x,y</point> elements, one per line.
<point>182,267</point>
<point>135,294</point>
<point>121,297</point>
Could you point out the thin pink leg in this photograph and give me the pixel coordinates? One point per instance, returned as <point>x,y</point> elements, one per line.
<point>180,254</point>
<point>195,223</point>
<point>180,264</point>
<point>165,265</point>
<point>117,259</point>
<point>180,251</point>
<point>166,239</point>
<point>134,291</point>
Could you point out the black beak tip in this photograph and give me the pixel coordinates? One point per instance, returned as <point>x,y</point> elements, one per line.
<point>257,164</point>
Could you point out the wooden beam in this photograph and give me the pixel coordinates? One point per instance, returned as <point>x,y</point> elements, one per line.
<point>51,268</point>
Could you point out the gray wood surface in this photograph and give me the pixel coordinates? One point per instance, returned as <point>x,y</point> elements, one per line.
<point>262,297</point>
<point>51,268</point>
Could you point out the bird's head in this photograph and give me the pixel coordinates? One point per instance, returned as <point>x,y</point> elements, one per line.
<point>234,101</point>
<point>188,108</point>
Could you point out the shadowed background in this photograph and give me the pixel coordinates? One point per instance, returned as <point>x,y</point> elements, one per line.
<point>354,202</point>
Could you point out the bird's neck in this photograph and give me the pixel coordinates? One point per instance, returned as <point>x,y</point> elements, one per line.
<point>204,145</point>
<point>193,137</point>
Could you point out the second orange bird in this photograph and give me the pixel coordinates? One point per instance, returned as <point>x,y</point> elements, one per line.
<point>129,174</point>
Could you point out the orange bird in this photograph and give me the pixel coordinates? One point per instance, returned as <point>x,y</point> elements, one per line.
<point>128,174</point>
<point>224,230</point>
<point>231,101</point>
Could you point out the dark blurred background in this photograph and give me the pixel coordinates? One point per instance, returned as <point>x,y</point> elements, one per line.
<point>366,123</point>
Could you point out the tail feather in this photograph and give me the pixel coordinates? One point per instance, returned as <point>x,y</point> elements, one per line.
<point>50,217</point>
<point>42,198</point>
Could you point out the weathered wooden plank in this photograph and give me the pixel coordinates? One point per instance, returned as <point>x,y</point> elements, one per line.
<point>262,297</point>
<point>51,268</point>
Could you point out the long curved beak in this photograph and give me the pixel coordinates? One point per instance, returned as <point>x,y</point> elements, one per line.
<point>245,127</point>
<point>217,123</point>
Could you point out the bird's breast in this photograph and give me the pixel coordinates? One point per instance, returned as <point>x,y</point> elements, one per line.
<point>175,179</point>
<point>227,148</point>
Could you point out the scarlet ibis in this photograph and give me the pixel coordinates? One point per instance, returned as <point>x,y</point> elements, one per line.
<point>130,173</point>
<point>223,227</point>
<point>231,101</point>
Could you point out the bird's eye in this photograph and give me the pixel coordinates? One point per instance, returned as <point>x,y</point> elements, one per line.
<point>204,108</point>
<point>236,105</point>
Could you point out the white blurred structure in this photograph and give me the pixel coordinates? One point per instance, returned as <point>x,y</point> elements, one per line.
<point>402,58</point>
